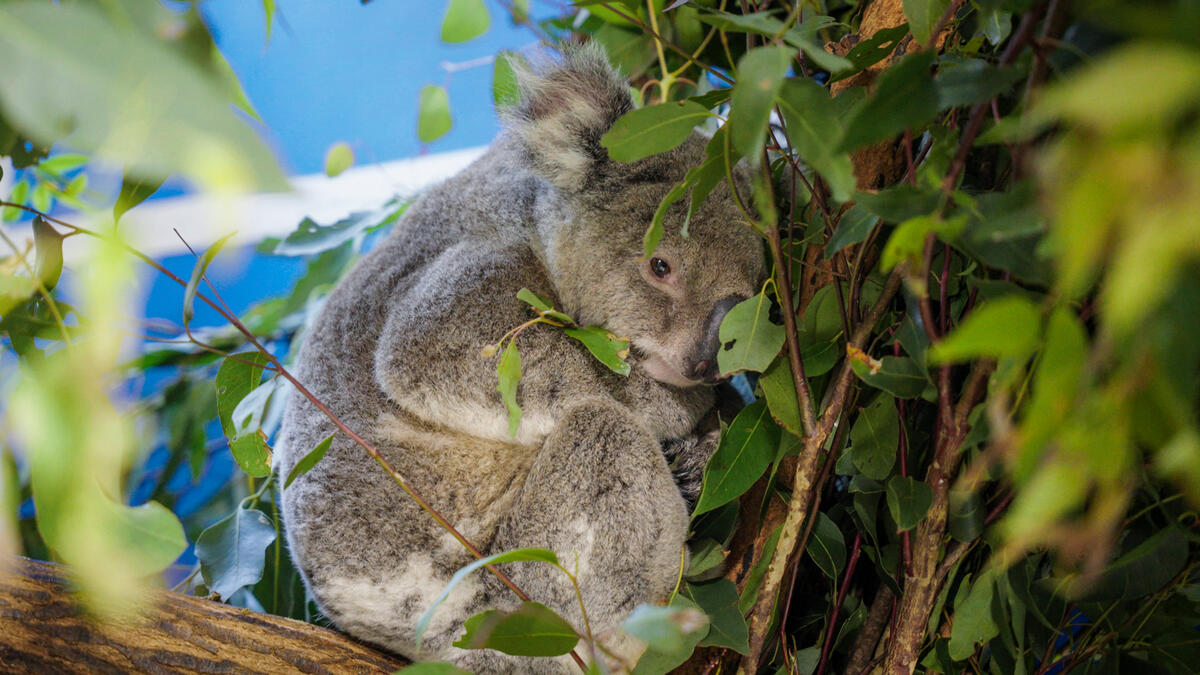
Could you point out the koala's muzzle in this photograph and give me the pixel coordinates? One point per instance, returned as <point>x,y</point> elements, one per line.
<point>702,364</point>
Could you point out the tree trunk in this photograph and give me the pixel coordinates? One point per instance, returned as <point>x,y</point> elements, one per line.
<point>42,630</point>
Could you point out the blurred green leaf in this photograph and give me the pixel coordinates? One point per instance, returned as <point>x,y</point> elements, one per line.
<point>338,158</point>
<point>309,237</point>
<point>233,551</point>
<point>116,92</point>
<point>813,127</point>
<point>656,661</point>
<point>134,191</point>
<point>908,501</point>
<point>760,75</point>
<point>779,388</point>
<point>899,203</point>
<point>651,130</point>
<point>873,50</point>
<point>664,629</point>
<point>433,113</point>
<point>972,82</point>
<point>47,243</point>
<point>923,16</point>
<point>464,20</point>
<point>63,164</point>
<point>532,629</point>
<point>749,339</point>
<point>198,270</point>
<point>508,369</point>
<point>433,668</point>
<point>746,450</point>
<point>1008,326</point>
<point>519,555</point>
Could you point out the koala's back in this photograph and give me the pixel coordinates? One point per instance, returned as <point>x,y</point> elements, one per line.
<point>352,530</point>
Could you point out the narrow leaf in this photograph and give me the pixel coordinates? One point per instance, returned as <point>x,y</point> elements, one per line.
<point>310,460</point>
<point>509,372</point>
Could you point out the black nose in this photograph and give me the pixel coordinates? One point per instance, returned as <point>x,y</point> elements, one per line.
<point>704,359</point>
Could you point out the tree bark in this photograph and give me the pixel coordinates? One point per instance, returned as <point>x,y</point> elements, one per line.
<point>42,630</point>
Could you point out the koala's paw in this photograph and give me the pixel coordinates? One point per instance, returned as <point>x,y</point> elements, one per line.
<point>687,457</point>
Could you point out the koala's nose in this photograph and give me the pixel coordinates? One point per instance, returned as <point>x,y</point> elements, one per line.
<point>704,363</point>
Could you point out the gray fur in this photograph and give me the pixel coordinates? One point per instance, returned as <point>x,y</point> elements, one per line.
<point>396,353</point>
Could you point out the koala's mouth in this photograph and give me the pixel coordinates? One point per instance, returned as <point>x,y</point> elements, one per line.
<point>658,368</point>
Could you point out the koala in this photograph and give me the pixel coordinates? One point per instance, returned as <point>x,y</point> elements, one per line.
<point>396,353</point>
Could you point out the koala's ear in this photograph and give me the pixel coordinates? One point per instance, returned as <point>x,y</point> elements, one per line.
<point>565,109</point>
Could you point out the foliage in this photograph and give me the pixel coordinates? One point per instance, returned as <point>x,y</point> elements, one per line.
<point>980,427</point>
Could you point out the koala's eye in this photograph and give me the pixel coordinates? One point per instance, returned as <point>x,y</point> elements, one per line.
<point>660,268</point>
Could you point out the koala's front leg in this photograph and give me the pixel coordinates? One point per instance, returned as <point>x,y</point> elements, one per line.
<point>599,494</point>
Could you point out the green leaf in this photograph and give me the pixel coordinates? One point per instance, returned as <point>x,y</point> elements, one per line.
<point>900,203</point>
<point>1165,77</point>
<point>505,91</point>
<point>606,347</point>
<point>665,629</point>
<point>749,339</point>
<point>61,164</point>
<point>908,500</point>
<point>727,626</point>
<point>900,377</point>
<point>268,16</point>
<point>532,629</point>
<point>232,552</point>
<point>973,81</point>
<point>17,196</point>
<point>464,20</point>
<point>1007,326</point>
<point>923,16</point>
<point>653,129</point>
<point>115,91</point>
<point>875,438</point>
<point>827,547</point>
<point>534,300</point>
<point>656,661</point>
<point>238,376</point>
<point>509,372</point>
<point>655,232</point>
<point>338,158</point>
<point>247,416</point>
<point>310,460</point>
<point>433,113</point>
<point>814,126</point>
<point>134,191</point>
<point>905,97</point>
<point>746,450</point>
<point>760,75</point>
<point>202,263</point>
<point>707,555</point>
<point>48,262</point>
<point>873,50</point>
<point>853,228</point>
<point>973,620</point>
<point>779,388</point>
<point>907,242</point>
<point>518,555</point>
<point>1007,233</point>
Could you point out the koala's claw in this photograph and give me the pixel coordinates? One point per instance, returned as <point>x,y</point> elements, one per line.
<point>687,457</point>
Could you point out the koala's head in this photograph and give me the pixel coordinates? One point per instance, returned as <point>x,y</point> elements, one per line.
<point>670,305</point>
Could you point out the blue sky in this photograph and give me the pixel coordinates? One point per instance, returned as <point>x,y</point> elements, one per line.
<point>342,71</point>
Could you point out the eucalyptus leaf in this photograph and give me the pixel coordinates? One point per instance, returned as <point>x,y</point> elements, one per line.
<point>464,20</point>
<point>232,552</point>
<point>904,97</point>
<point>908,501</point>
<point>875,438</point>
<point>508,369</point>
<point>827,547</point>
<point>746,450</point>
<point>532,629</point>
<point>606,347</point>
<point>749,339</point>
<point>433,113</point>
<point>1007,326</point>
<point>652,130</point>
<point>760,75</point>
<point>309,460</point>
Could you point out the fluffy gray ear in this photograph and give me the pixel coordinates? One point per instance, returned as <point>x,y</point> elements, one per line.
<point>565,108</point>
